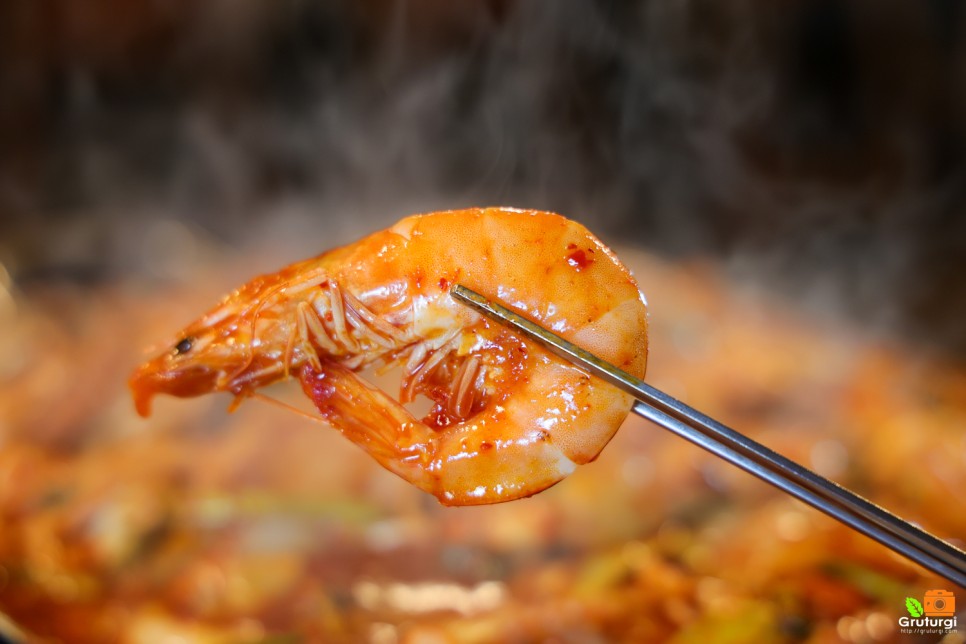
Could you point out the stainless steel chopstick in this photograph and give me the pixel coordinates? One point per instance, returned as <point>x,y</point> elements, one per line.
<point>831,498</point>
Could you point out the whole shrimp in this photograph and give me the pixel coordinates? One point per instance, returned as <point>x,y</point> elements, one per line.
<point>508,418</point>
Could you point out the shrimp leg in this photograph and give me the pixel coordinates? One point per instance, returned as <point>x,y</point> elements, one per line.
<point>371,419</point>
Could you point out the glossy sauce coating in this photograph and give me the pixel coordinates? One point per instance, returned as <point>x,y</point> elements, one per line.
<point>507,420</point>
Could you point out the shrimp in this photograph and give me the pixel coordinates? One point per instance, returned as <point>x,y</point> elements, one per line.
<point>508,418</point>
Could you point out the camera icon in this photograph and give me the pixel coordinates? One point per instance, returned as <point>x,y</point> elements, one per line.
<point>939,603</point>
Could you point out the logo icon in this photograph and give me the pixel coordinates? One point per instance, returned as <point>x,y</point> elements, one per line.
<point>939,603</point>
<point>935,614</point>
<point>914,607</point>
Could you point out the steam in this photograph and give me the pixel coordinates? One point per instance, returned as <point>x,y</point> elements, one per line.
<point>792,145</point>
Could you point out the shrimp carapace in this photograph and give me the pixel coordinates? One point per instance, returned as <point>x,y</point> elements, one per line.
<point>507,420</point>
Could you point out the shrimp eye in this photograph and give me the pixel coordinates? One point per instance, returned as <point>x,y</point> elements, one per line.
<point>184,346</point>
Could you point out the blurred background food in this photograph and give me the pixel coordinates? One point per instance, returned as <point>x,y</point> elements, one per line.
<point>785,180</point>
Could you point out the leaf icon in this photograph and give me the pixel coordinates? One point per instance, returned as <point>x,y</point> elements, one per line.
<point>913,606</point>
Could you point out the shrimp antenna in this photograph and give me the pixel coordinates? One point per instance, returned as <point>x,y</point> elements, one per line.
<point>279,403</point>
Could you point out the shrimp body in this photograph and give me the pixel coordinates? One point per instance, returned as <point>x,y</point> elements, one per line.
<point>508,419</point>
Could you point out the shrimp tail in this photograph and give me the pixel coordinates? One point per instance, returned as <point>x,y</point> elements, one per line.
<point>371,419</point>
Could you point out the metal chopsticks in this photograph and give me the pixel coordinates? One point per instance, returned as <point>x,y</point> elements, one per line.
<point>838,502</point>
